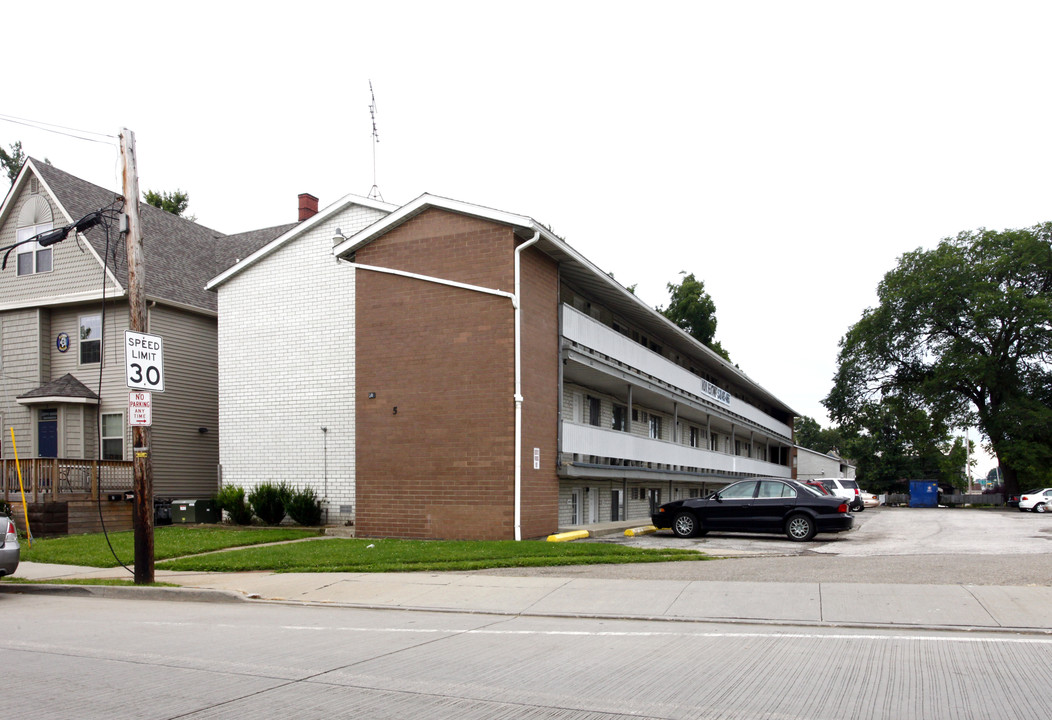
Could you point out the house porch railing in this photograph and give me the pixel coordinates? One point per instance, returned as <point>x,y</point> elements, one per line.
<point>55,479</point>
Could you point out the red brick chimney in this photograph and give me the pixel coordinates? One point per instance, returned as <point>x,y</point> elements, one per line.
<point>308,206</point>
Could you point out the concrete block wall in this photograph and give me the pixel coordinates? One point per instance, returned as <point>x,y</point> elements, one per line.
<point>287,368</point>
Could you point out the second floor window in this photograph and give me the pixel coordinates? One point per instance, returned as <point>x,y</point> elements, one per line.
<point>695,437</point>
<point>655,427</point>
<point>620,418</point>
<point>31,257</point>
<point>90,339</point>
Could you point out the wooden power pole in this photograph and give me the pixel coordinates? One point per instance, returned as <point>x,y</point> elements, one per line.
<point>143,468</point>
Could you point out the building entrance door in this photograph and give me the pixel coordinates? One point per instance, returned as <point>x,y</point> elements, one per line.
<point>47,435</point>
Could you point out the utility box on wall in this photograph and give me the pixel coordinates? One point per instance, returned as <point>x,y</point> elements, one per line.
<point>924,493</point>
<point>194,511</point>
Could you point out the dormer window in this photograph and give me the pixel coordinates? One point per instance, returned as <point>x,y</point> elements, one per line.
<point>34,218</point>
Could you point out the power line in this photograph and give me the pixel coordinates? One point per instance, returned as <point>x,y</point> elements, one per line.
<point>51,128</point>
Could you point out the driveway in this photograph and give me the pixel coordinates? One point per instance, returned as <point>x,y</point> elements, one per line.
<point>888,545</point>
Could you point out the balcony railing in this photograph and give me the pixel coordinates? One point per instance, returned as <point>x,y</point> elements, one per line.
<point>589,440</point>
<point>53,479</point>
<point>601,339</point>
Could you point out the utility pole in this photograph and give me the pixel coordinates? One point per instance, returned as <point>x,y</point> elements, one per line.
<point>142,512</point>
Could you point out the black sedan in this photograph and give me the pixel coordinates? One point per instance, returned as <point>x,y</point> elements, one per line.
<point>758,505</point>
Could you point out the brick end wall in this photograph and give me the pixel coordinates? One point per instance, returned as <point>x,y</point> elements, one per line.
<point>442,465</point>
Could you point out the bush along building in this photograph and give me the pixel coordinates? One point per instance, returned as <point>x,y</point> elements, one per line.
<point>63,313</point>
<point>445,370</point>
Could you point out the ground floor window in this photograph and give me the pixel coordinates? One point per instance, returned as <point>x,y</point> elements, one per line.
<point>113,436</point>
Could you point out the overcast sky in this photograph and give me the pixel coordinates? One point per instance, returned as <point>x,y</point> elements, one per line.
<point>786,153</point>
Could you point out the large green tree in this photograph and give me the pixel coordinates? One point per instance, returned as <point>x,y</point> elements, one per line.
<point>809,434</point>
<point>692,309</point>
<point>173,202</point>
<point>962,333</point>
<point>12,162</point>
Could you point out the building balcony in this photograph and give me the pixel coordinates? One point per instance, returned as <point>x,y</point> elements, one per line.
<point>589,440</point>
<point>606,359</point>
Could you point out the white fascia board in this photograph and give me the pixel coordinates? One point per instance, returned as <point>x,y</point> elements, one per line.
<point>415,207</point>
<point>278,242</point>
<point>55,400</point>
<point>72,298</point>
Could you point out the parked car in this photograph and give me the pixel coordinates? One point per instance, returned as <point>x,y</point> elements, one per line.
<point>819,487</point>
<point>10,552</point>
<point>869,499</point>
<point>758,505</point>
<point>847,489</point>
<point>1036,500</point>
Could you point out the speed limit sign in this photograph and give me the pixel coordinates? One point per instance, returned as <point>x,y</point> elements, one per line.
<point>144,356</point>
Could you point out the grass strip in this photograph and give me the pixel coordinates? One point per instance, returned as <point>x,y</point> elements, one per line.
<point>110,582</point>
<point>169,541</point>
<point>392,555</point>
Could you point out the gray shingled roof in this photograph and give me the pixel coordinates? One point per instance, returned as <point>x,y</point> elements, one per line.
<point>66,386</point>
<point>232,248</point>
<point>180,255</point>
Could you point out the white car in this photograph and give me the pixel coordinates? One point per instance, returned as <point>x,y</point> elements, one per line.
<point>869,499</point>
<point>9,549</point>
<point>845,488</point>
<point>1036,500</point>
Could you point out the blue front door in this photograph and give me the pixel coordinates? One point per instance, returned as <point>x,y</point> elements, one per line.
<point>47,438</point>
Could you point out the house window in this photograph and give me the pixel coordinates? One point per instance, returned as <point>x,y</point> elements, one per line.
<point>31,257</point>
<point>695,437</point>
<point>620,418</point>
<point>90,339</point>
<point>593,410</point>
<point>714,442</point>
<point>113,437</point>
<point>655,427</point>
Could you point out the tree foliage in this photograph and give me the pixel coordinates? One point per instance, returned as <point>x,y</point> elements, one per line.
<point>962,335</point>
<point>12,162</point>
<point>692,310</point>
<point>811,435</point>
<point>173,202</point>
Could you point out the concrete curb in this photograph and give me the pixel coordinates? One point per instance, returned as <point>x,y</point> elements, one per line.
<point>567,536</point>
<point>177,594</point>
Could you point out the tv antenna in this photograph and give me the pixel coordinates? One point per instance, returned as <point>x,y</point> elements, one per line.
<point>374,193</point>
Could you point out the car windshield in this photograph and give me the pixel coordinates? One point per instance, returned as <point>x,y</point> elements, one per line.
<point>850,484</point>
<point>1035,491</point>
<point>815,491</point>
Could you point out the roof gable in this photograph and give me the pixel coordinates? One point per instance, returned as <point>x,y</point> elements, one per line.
<point>291,232</point>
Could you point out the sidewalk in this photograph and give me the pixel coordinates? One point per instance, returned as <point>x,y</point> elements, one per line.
<point>992,608</point>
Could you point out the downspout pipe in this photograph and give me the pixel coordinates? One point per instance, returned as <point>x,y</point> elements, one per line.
<point>517,304</point>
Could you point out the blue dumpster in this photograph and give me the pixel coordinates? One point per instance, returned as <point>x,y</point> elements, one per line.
<point>924,493</point>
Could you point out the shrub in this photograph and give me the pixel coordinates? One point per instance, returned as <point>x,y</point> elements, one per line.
<point>232,499</point>
<point>268,502</point>
<point>303,507</point>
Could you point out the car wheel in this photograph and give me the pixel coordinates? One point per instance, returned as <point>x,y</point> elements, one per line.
<point>685,525</point>
<point>1040,508</point>
<point>800,528</point>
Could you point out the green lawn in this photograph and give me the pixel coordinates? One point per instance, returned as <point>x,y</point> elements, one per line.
<point>170,541</point>
<point>193,548</point>
<point>376,555</point>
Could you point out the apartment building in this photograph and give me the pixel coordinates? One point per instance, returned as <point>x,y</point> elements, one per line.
<point>446,370</point>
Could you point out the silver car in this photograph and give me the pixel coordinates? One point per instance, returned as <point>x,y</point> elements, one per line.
<point>10,551</point>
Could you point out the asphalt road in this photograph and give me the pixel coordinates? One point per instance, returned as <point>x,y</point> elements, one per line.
<point>888,545</point>
<point>75,657</point>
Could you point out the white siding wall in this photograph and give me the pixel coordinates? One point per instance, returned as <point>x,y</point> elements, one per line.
<point>286,368</point>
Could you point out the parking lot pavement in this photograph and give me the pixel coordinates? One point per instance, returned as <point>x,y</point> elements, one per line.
<point>886,531</point>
